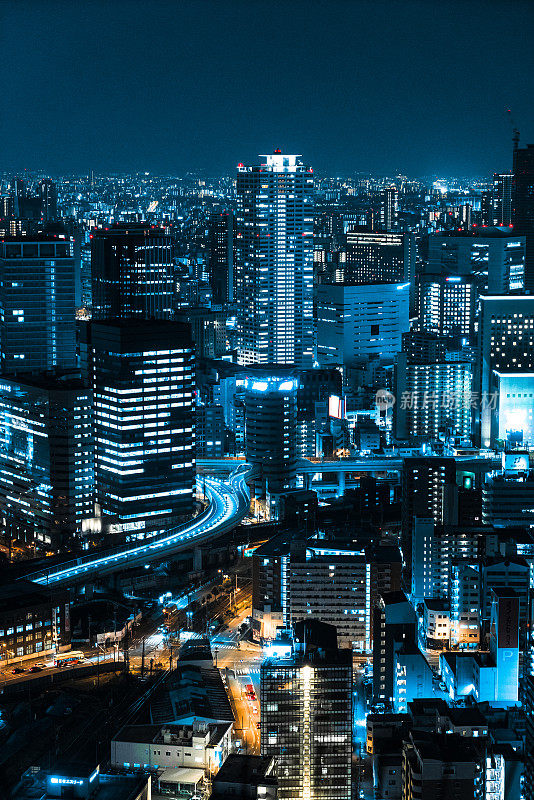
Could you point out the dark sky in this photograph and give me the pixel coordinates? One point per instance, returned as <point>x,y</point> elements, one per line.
<point>416,86</point>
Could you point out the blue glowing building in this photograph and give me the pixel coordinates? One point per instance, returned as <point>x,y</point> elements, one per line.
<point>143,382</point>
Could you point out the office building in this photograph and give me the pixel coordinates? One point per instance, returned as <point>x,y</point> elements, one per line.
<point>428,491</point>
<point>465,584</point>
<point>506,348</point>
<point>143,382</point>
<point>132,272</point>
<point>208,329</point>
<point>378,257</point>
<point>271,434</point>
<point>423,347</point>
<point>210,431</point>
<point>389,201</point>
<point>34,620</point>
<point>46,459</point>
<point>508,499</point>
<point>433,399</point>
<point>306,719</point>
<point>501,199</point>
<point>394,624</point>
<point>48,196</point>
<point>221,256</point>
<point>447,305</point>
<point>494,256</point>
<point>347,582</point>
<point>443,765</point>
<point>435,550</point>
<point>274,261</point>
<point>355,323</point>
<point>37,323</point>
<point>523,205</point>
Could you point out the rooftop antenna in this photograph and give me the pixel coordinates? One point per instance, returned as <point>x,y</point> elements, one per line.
<point>515,129</point>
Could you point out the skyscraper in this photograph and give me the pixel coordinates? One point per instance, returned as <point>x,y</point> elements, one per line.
<point>46,459</point>
<point>48,195</point>
<point>504,366</point>
<point>271,432</point>
<point>357,322</point>
<point>143,380</point>
<point>523,205</point>
<point>37,315</point>
<point>379,257</point>
<point>132,272</point>
<point>306,715</point>
<point>502,198</point>
<point>274,261</point>
<point>221,256</point>
<point>389,198</point>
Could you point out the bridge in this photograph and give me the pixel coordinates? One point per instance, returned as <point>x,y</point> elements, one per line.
<point>228,504</point>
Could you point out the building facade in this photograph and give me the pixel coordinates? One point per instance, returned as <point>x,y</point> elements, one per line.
<point>274,261</point>
<point>143,383</point>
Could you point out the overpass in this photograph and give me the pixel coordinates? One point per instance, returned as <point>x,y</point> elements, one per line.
<point>228,504</point>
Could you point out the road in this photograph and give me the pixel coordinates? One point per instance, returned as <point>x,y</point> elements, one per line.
<point>228,504</point>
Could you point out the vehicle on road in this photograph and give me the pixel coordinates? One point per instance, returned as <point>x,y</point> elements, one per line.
<point>36,669</point>
<point>67,659</point>
<point>17,670</point>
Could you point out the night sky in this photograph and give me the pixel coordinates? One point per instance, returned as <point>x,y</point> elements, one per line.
<point>412,86</point>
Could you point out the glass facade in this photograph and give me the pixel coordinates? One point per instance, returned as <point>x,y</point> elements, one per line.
<point>306,724</point>
<point>37,314</point>
<point>143,379</point>
<point>274,262</point>
<point>46,459</point>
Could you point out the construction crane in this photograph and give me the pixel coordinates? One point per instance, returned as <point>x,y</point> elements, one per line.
<point>515,129</point>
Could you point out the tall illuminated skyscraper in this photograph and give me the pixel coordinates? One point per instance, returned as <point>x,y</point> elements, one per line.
<point>523,205</point>
<point>306,715</point>
<point>132,272</point>
<point>37,319</point>
<point>143,381</point>
<point>274,261</point>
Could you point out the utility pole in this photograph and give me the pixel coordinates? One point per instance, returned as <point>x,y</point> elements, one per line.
<point>143,658</point>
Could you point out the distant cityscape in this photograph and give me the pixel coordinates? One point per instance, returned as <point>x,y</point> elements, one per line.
<point>267,484</point>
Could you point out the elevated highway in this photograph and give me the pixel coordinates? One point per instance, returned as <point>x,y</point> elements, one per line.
<point>228,504</point>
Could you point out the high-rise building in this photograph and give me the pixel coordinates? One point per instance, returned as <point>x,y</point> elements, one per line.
<point>221,256</point>
<point>274,261</point>
<point>46,459</point>
<point>48,196</point>
<point>501,198</point>
<point>506,353</point>
<point>379,257</point>
<point>358,322</point>
<point>429,491</point>
<point>271,433</point>
<point>37,312</point>
<point>447,306</point>
<point>494,256</point>
<point>132,272</point>
<point>394,624</point>
<point>432,399</point>
<point>306,715</point>
<point>523,205</point>
<point>143,382</point>
<point>389,202</point>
